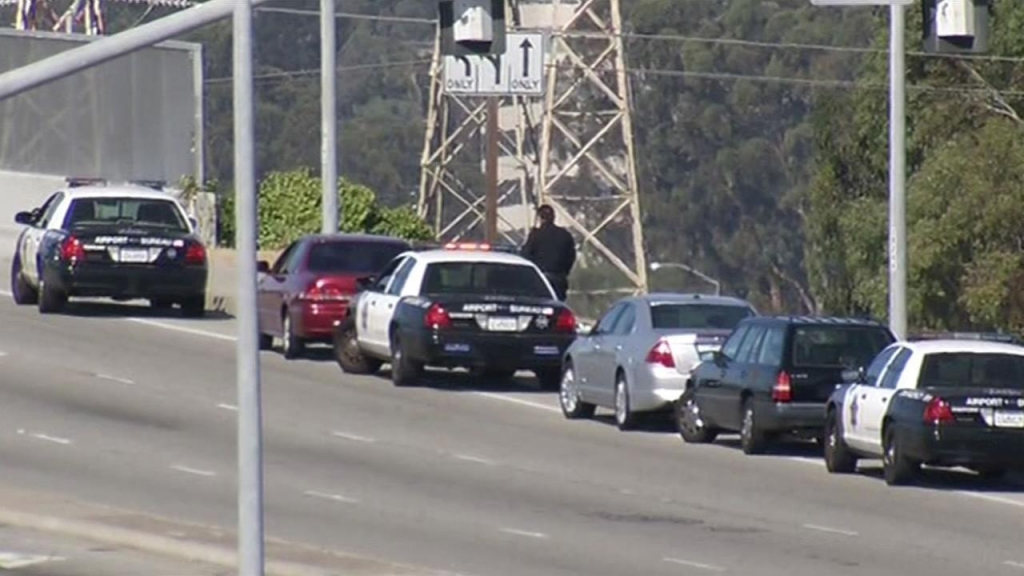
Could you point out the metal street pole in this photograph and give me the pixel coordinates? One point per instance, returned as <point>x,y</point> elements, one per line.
<point>492,170</point>
<point>74,60</point>
<point>250,425</point>
<point>897,173</point>
<point>328,116</point>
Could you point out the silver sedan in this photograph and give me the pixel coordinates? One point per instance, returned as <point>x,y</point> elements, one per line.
<point>639,355</point>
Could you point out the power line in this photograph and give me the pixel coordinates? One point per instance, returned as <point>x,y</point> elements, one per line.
<point>286,74</point>
<point>350,15</point>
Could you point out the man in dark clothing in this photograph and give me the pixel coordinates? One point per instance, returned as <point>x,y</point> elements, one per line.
<point>552,249</point>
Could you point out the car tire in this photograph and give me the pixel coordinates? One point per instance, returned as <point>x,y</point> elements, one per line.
<point>572,406</point>
<point>550,379</point>
<point>404,372</point>
<point>292,346</point>
<point>838,457</point>
<point>194,306</point>
<point>752,438</point>
<point>51,299</point>
<point>689,423</point>
<point>266,341</point>
<point>347,353</point>
<point>625,418</point>
<point>22,293</point>
<point>897,468</point>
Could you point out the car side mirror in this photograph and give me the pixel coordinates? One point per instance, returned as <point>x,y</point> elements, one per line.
<point>24,218</point>
<point>263,267</point>
<point>708,356</point>
<point>853,376</point>
<point>365,282</point>
<point>194,222</point>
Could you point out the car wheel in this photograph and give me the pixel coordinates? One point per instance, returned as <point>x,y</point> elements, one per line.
<point>838,457</point>
<point>404,372</point>
<point>51,299</point>
<point>194,306</point>
<point>573,407</point>
<point>752,438</point>
<point>549,378</point>
<point>349,356</point>
<point>689,422</point>
<point>21,291</point>
<point>896,467</point>
<point>625,418</point>
<point>266,341</point>
<point>292,346</point>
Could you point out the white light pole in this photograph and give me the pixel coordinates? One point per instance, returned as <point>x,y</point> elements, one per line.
<point>718,285</point>
<point>897,156</point>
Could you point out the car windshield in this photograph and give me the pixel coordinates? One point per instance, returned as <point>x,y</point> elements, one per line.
<point>484,278</point>
<point>838,346</point>
<point>346,256</point>
<point>973,370</point>
<point>697,316</point>
<point>139,212</point>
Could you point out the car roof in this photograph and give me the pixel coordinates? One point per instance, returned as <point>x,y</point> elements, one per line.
<point>938,346</point>
<point>120,191</point>
<point>691,298</point>
<point>819,320</point>
<point>437,256</point>
<point>352,236</point>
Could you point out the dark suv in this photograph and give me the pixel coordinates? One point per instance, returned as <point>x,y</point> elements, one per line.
<point>773,376</point>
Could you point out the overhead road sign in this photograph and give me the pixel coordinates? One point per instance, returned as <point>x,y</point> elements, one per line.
<point>519,71</point>
<point>472,27</point>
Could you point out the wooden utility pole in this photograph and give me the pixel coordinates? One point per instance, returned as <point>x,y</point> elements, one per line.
<point>491,211</point>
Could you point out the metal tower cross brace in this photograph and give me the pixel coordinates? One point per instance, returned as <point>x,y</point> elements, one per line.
<point>451,195</point>
<point>35,14</point>
<point>588,159</point>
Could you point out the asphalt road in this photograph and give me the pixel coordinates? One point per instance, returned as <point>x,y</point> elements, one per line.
<point>111,404</point>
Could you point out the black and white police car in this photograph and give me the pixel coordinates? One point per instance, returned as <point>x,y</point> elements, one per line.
<point>118,241</point>
<point>462,306</point>
<point>936,402</point>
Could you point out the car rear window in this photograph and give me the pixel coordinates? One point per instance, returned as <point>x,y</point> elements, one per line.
<point>838,346</point>
<point>352,257</point>
<point>485,278</point>
<point>973,370</point>
<point>697,316</point>
<point>127,211</point>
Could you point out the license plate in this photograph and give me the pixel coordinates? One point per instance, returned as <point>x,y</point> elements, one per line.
<point>134,255</point>
<point>502,324</point>
<point>1004,419</point>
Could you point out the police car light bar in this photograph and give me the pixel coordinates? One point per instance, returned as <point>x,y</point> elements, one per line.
<point>154,184</point>
<point>75,182</point>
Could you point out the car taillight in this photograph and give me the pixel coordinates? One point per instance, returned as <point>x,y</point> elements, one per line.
<point>71,249</point>
<point>437,317</point>
<point>782,391</point>
<point>661,354</point>
<point>318,293</point>
<point>937,411</point>
<point>195,254</point>
<point>565,321</point>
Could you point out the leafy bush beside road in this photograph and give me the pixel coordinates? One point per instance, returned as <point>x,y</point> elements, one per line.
<point>290,207</point>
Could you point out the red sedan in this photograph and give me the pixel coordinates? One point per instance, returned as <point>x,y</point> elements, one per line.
<point>311,283</point>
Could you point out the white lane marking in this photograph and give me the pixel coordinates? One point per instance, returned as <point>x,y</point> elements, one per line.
<point>353,437</point>
<point>691,564</point>
<point>230,407</point>
<point>327,496</point>
<point>46,437</point>
<point>6,293</point>
<point>805,460</point>
<point>195,471</point>
<point>1013,564</point>
<point>114,378</point>
<point>2,354</point>
<point>527,533</point>
<point>183,329</point>
<point>830,530</point>
<point>991,498</point>
<point>514,400</point>
<point>478,460</point>
<point>14,560</point>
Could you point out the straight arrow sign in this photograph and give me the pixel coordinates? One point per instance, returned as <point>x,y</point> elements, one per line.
<point>525,60</point>
<point>526,46</point>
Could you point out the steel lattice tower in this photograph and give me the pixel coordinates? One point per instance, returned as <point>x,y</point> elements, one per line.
<point>41,14</point>
<point>574,149</point>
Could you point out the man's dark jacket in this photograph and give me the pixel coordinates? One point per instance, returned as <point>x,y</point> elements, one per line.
<point>552,249</point>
